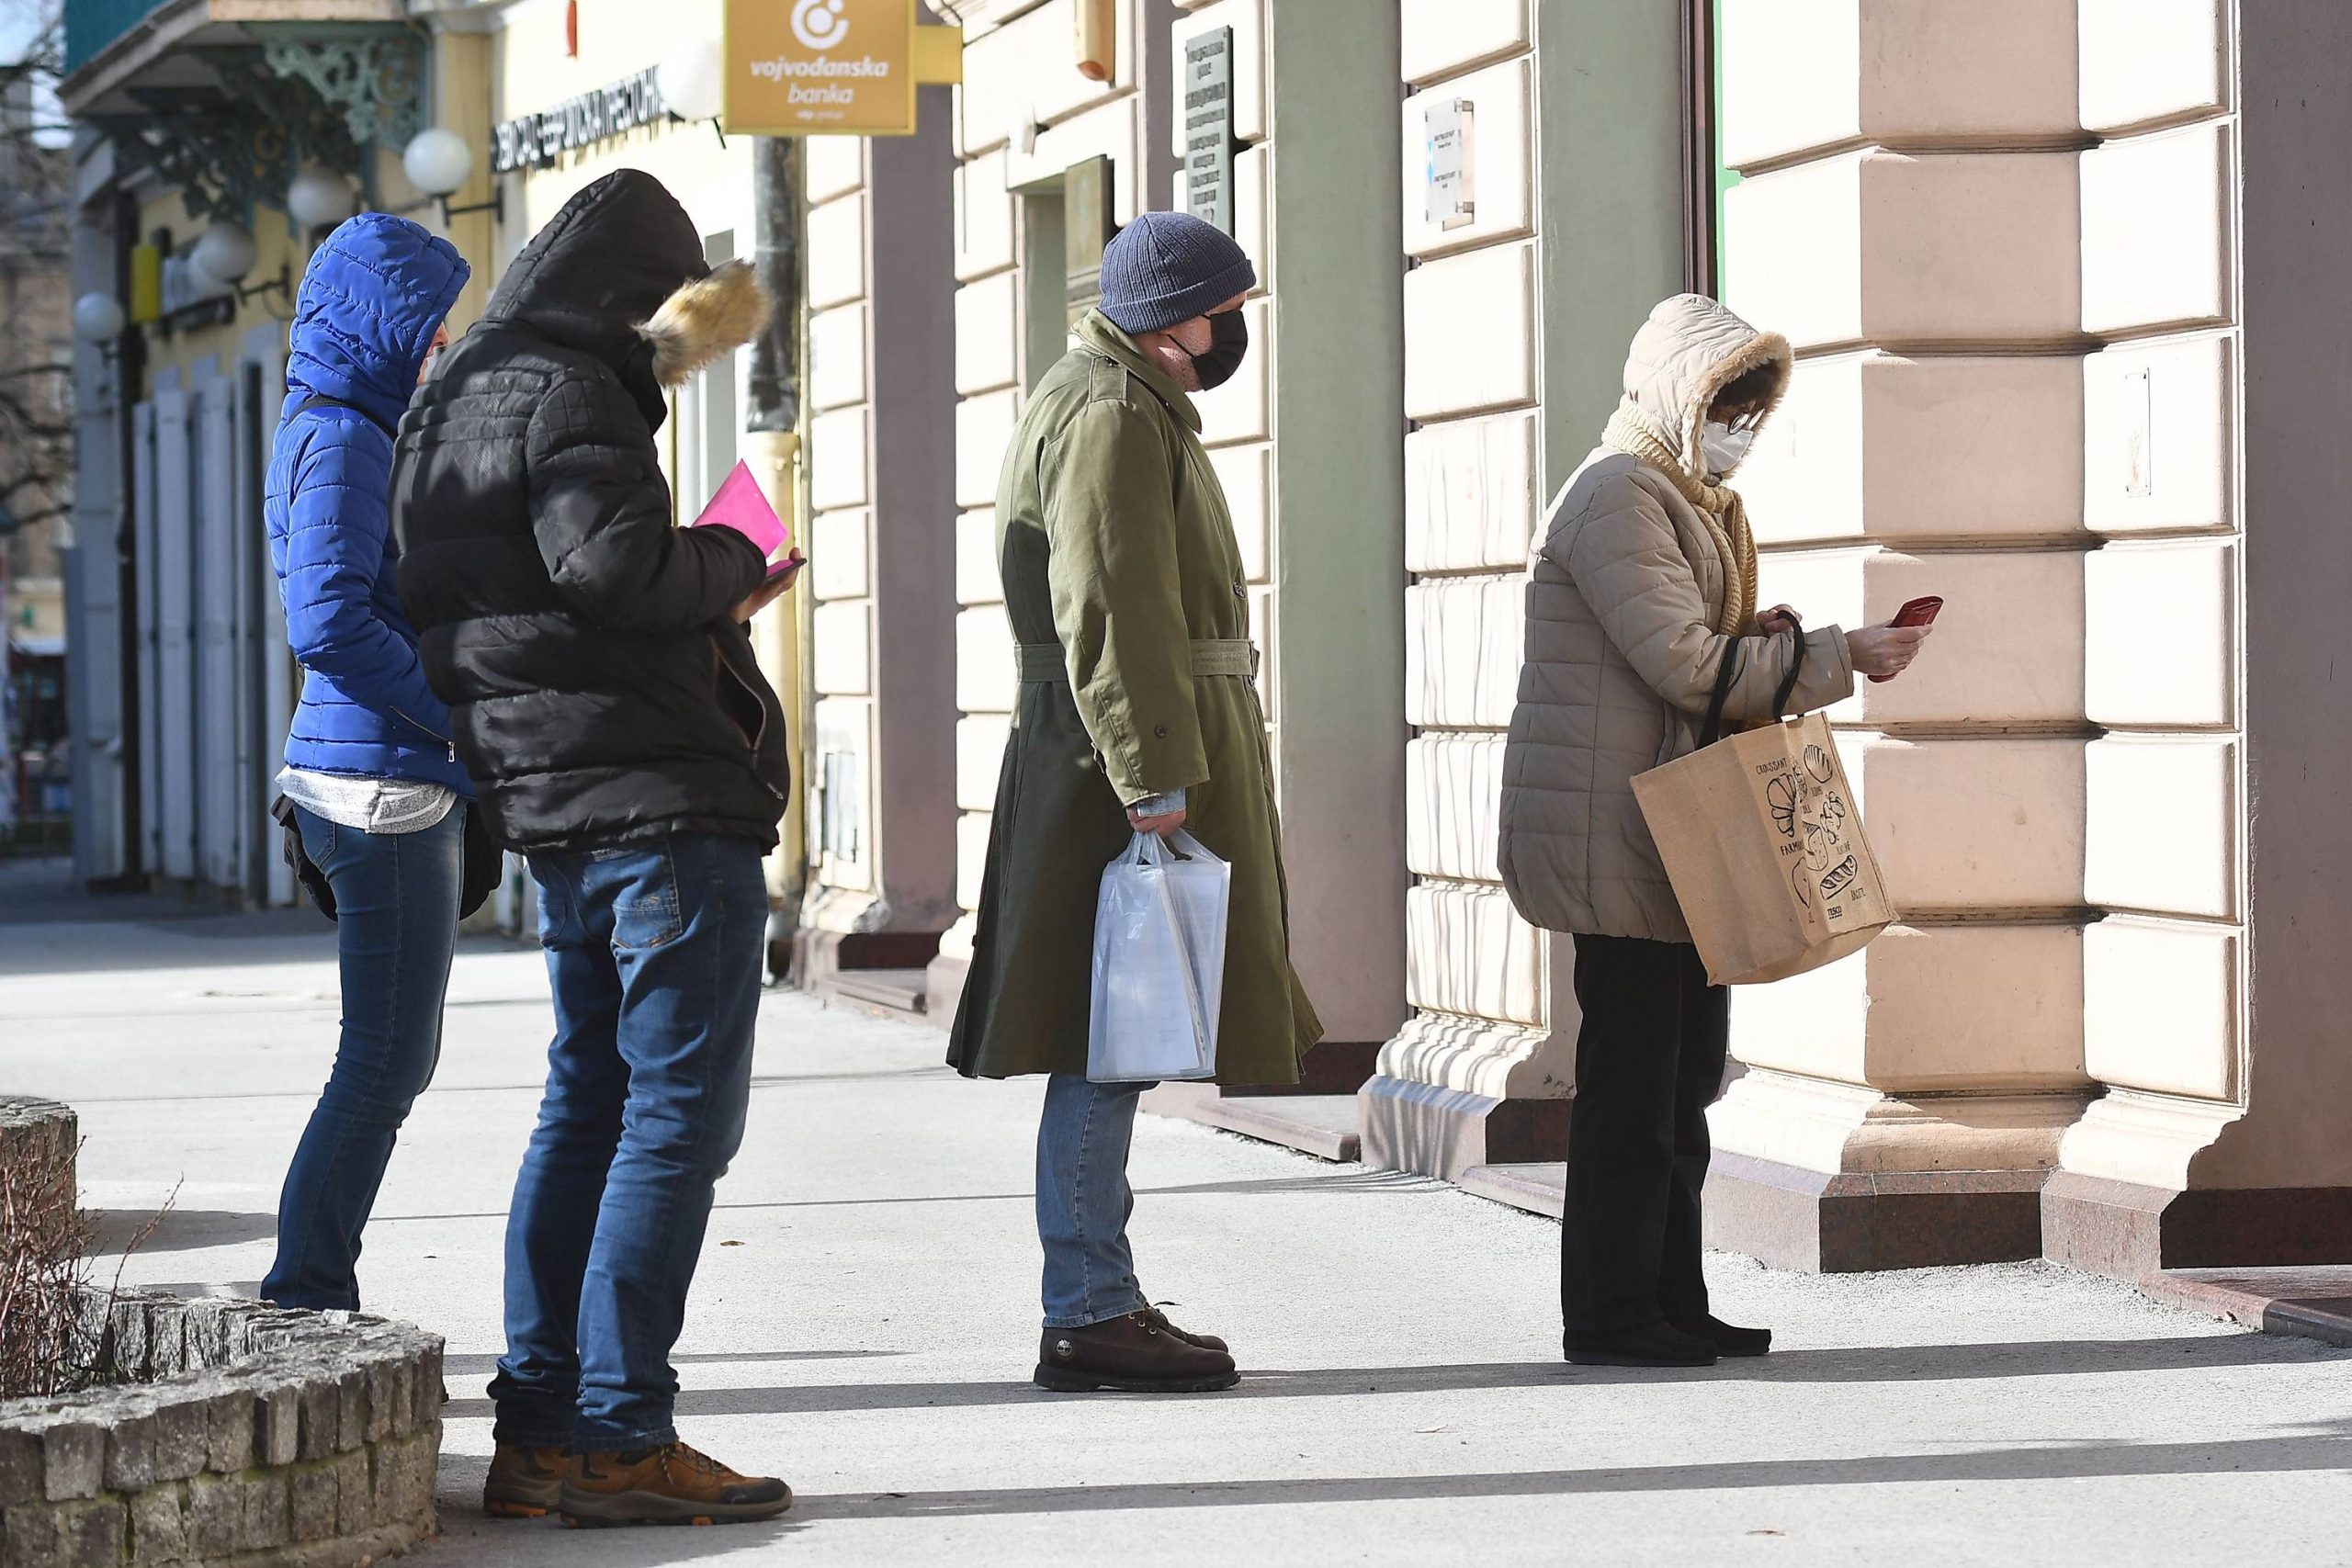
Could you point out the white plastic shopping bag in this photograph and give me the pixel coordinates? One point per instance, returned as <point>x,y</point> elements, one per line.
<point>1158,962</point>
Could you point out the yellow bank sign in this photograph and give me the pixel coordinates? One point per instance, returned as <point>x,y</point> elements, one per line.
<point>840,67</point>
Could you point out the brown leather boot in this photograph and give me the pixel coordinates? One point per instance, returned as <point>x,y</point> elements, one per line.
<point>1158,1320</point>
<point>1132,1354</point>
<point>523,1483</point>
<point>672,1484</point>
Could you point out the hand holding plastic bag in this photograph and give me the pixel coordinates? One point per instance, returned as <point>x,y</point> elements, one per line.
<point>1158,962</point>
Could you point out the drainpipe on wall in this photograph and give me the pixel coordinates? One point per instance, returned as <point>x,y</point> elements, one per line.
<point>130,377</point>
<point>772,442</point>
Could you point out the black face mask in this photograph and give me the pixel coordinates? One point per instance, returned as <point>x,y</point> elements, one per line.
<point>1228,342</point>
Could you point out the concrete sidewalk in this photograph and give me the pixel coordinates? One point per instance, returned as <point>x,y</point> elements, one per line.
<point>864,1322</point>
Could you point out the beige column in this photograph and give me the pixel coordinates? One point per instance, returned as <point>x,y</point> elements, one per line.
<point>1573,112</point>
<point>1908,220</point>
<point>2216,989</point>
<point>879,756</point>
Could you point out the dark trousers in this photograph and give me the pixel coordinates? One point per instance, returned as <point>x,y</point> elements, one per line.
<point>1649,1061</point>
<point>654,951</point>
<point>396,899</point>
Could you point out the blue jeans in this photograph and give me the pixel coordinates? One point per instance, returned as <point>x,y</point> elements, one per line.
<point>654,955</point>
<point>1083,1199</point>
<point>396,905</point>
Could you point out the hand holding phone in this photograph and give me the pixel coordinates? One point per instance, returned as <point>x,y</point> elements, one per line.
<point>786,569</point>
<point>1918,616</point>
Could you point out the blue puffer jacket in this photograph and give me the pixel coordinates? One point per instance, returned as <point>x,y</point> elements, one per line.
<point>371,299</point>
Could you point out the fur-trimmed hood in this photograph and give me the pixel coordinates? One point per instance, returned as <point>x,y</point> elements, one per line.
<point>1689,350</point>
<point>619,273</point>
<point>705,319</point>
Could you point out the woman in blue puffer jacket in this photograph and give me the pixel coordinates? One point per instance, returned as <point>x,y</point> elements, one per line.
<point>376,789</point>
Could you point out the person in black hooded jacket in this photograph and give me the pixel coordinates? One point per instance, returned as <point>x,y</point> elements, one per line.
<point>603,696</point>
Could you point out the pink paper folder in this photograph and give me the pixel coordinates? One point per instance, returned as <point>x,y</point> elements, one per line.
<point>741,505</point>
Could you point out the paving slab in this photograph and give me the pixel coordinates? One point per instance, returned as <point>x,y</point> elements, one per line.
<point>864,1322</point>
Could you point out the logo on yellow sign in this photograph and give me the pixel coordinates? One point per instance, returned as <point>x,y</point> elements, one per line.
<point>840,66</point>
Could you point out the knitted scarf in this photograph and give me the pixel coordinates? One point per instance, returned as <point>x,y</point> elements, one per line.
<point>1633,433</point>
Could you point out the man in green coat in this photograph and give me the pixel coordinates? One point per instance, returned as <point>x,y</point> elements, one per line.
<point>1138,712</point>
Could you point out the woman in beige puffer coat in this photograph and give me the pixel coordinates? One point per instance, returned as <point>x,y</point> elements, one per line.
<point>1643,582</point>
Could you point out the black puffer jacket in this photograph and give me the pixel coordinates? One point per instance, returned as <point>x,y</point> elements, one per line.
<point>600,691</point>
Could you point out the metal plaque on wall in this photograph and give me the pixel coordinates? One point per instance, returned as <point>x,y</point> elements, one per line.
<point>1451,199</point>
<point>1208,128</point>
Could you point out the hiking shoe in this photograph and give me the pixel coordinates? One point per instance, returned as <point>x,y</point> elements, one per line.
<point>524,1483</point>
<point>1729,1340</point>
<point>1132,1354</point>
<point>674,1484</point>
<point>1657,1344</point>
<point>1158,1320</point>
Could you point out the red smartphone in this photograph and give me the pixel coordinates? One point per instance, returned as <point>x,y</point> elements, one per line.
<point>1918,613</point>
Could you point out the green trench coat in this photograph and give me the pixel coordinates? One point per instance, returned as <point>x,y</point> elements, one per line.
<point>1118,556</point>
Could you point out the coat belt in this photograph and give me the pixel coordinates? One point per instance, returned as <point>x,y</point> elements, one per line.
<point>1043,661</point>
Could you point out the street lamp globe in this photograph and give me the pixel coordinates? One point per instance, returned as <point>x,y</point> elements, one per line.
<point>318,198</point>
<point>692,79</point>
<point>98,317</point>
<point>225,252</point>
<point>437,161</point>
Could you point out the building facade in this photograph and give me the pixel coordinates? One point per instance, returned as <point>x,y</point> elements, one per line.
<point>2057,276</point>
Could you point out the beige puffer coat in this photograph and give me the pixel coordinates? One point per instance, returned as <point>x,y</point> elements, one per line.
<point>1627,586</point>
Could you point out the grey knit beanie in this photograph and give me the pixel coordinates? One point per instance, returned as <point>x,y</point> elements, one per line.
<point>1167,267</point>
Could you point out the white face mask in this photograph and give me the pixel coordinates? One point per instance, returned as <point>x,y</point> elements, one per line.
<point>1723,446</point>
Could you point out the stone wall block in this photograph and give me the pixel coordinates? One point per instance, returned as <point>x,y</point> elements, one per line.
<point>232,1419</point>
<point>1470,333</point>
<point>209,1326</point>
<point>180,1436</point>
<point>313,1501</point>
<point>318,1426</point>
<point>1933,248</point>
<point>130,1452</point>
<point>158,1529</point>
<point>277,1426</point>
<point>2184,679</point>
<point>391,1401</point>
<point>987,315</point>
<point>126,1335</point>
<point>836,252</point>
<point>1454,787</point>
<point>90,1535</point>
<point>986,676</point>
<point>1470,499</point>
<point>265,1523</point>
<point>2144,61</point>
<point>29,1536</point>
<point>1964,825</point>
<point>20,1468</point>
<point>2161,1006</point>
<point>1468,952</point>
<point>403,1480</point>
<point>983,217</point>
<point>431,1392</point>
<point>73,1459</point>
<point>2157,425</point>
<point>354,1492</point>
<point>1800,74</point>
<point>837,453</point>
<point>215,1515</point>
<point>2157,231</point>
<point>2009,642</point>
<point>980,740</point>
<point>1464,641</point>
<point>2163,817</point>
<point>1440,37</point>
<point>971,857</point>
<point>837,357</point>
<point>1502,154</point>
<point>351,1409</point>
<point>1902,449</point>
<point>984,427</point>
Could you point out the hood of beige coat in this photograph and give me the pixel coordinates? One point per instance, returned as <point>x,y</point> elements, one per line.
<point>1689,350</point>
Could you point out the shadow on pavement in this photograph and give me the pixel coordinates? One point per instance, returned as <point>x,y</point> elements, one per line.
<point>2326,1449</point>
<point>178,1230</point>
<point>482,1366</point>
<point>1913,1363</point>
